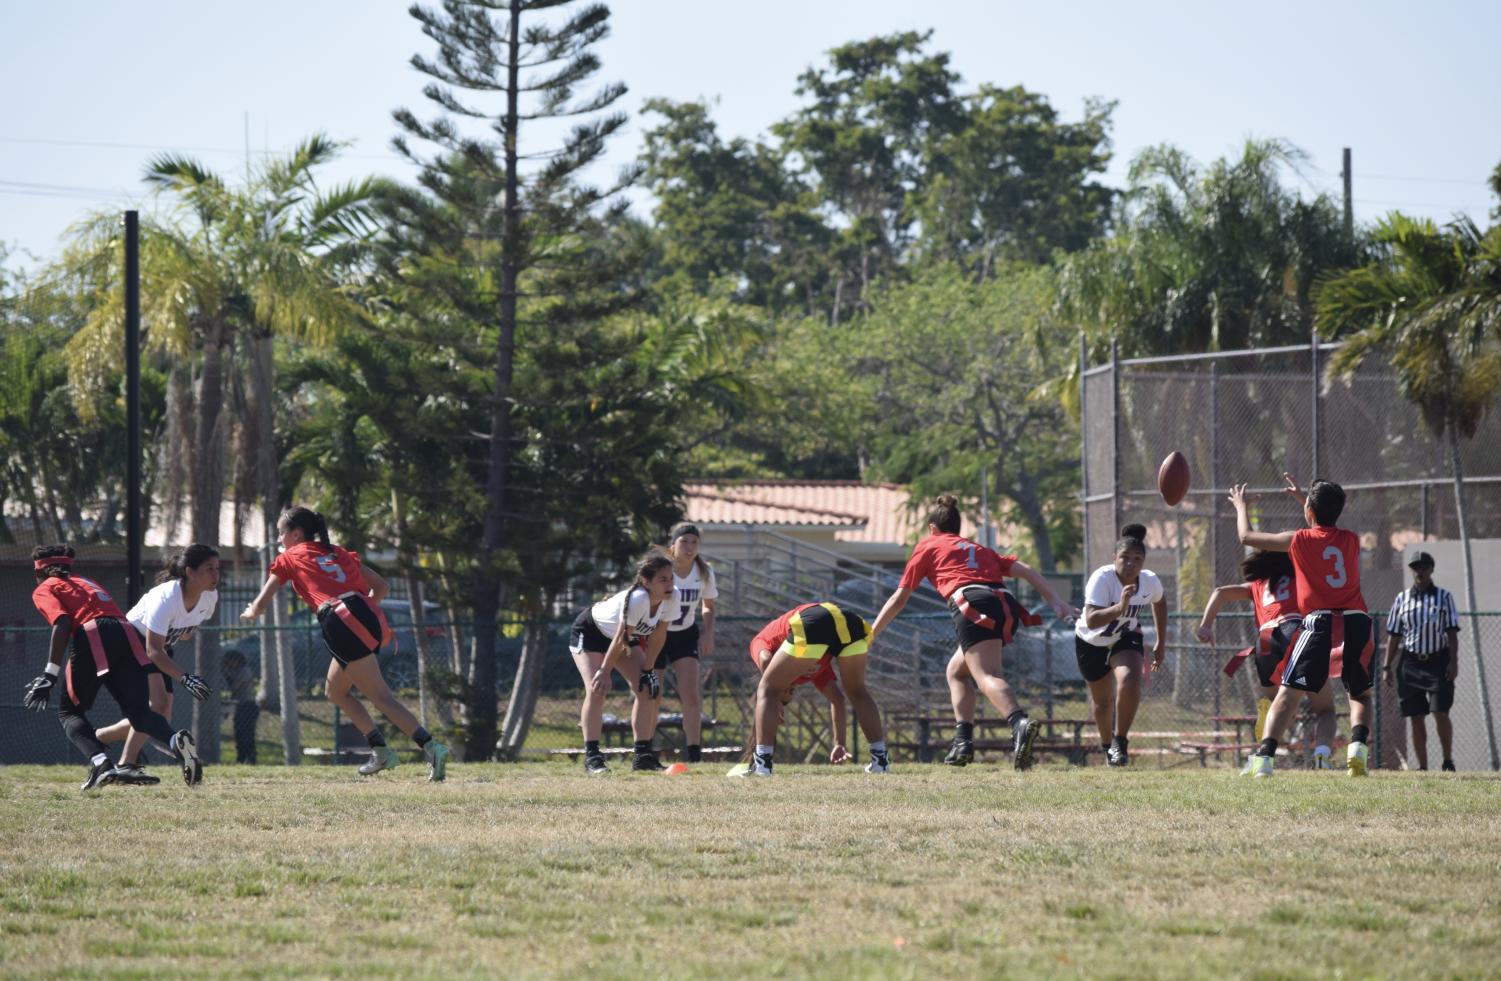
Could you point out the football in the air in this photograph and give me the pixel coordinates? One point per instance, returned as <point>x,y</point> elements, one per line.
<point>1173,478</point>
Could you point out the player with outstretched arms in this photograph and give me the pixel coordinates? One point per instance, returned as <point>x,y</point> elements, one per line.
<point>1336,628</point>
<point>1108,641</point>
<point>985,614</point>
<point>1270,584</point>
<point>345,596</point>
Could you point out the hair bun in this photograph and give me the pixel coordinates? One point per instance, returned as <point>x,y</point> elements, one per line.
<point>1136,531</point>
<point>946,501</point>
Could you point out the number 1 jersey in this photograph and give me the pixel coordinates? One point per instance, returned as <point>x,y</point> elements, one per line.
<point>1327,561</point>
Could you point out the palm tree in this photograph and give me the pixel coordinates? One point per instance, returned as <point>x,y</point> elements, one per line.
<point>240,267</point>
<point>1432,305</point>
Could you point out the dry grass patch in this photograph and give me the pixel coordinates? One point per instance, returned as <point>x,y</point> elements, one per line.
<point>536,870</point>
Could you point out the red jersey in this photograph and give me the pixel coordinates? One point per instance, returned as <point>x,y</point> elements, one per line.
<point>949,562</point>
<point>1273,600</point>
<point>74,596</point>
<point>320,572</point>
<point>775,633</point>
<point>1327,561</point>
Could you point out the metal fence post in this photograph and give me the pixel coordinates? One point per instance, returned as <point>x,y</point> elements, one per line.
<point>1378,704</point>
<point>1313,347</point>
<point>1084,443</point>
<point>1115,437</point>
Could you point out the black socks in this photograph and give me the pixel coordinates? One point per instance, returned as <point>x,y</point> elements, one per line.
<point>1360,734</point>
<point>422,737</point>
<point>591,747</point>
<point>694,754</point>
<point>373,738</point>
<point>964,730</point>
<point>1016,718</point>
<point>643,746</point>
<point>1268,747</point>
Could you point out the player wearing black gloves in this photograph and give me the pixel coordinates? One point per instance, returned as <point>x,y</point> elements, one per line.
<point>94,647</point>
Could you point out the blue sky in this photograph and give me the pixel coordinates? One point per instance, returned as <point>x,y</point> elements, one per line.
<point>94,89</point>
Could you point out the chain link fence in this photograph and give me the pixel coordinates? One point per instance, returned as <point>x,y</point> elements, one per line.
<point>1248,416</point>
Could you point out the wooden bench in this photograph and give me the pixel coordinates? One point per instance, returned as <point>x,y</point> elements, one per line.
<point>925,746</point>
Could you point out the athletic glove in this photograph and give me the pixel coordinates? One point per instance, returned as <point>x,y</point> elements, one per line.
<point>39,693</point>
<point>650,684</point>
<point>196,686</point>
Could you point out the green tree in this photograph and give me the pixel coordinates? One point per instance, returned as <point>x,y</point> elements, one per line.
<point>1431,305</point>
<point>504,249</point>
<point>1207,259</point>
<point>954,378</point>
<point>1014,182</point>
<point>862,142</point>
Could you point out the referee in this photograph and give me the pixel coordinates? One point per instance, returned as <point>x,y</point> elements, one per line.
<point>1422,646</point>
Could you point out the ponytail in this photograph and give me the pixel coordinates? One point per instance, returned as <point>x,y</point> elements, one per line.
<point>189,558</point>
<point>309,522</point>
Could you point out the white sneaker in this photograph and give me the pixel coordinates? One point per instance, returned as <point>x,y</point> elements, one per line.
<point>755,768</point>
<point>1259,766</point>
<point>1356,758</point>
<point>882,765</point>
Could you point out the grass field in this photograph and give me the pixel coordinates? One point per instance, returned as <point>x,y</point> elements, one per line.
<point>536,870</point>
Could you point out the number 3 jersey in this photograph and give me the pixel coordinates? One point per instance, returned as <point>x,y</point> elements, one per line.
<point>1327,561</point>
<point>320,573</point>
<point>950,562</point>
<point>1104,589</point>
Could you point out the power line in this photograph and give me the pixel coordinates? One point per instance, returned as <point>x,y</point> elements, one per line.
<point>189,149</point>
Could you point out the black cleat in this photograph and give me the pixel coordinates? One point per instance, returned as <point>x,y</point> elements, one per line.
<point>595,765</point>
<point>135,773</point>
<point>1021,741</point>
<point>1448,767</point>
<point>646,761</point>
<point>99,775</point>
<point>187,756</point>
<point>962,753</point>
<point>1115,753</point>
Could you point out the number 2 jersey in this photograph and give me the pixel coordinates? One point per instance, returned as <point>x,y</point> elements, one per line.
<point>1327,561</point>
<point>319,572</point>
<point>950,561</point>
<point>1273,600</point>
<point>1104,590</point>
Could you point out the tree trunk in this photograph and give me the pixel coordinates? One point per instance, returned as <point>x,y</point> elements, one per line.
<point>208,715</point>
<point>481,722</point>
<point>1037,523</point>
<point>208,457</point>
<point>523,701</point>
<point>291,722</point>
<point>1457,468</point>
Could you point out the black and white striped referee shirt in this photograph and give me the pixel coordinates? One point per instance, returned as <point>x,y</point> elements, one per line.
<point>1422,619</point>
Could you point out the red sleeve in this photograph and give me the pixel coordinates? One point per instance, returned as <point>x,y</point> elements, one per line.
<point>1007,561</point>
<point>47,603</point>
<point>281,567</point>
<point>918,567</point>
<point>824,674</point>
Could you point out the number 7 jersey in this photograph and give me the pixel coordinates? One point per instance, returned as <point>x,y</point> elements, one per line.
<point>1327,561</point>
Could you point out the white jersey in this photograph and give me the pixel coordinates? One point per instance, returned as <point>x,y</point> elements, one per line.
<point>1103,590</point>
<point>161,611</point>
<point>693,589</point>
<point>634,606</point>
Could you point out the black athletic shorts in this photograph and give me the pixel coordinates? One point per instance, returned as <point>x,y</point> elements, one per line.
<point>679,644</point>
<point>1278,638</point>
<point>825,630</point>
<point>1423,686</point>
<point>153,669</point>
<point>1326,636</point>
<point>351,629</point>
<point>1094,661</point>
<point>984,612</point>
<point>105,653</point>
